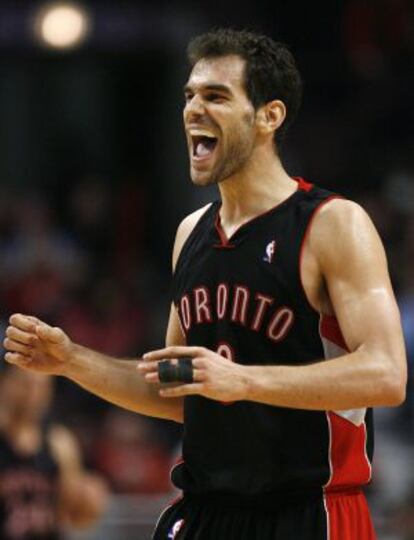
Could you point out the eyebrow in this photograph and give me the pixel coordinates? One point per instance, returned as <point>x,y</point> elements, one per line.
<point>210,86</point>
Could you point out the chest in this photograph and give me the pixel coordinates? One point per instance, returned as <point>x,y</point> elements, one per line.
<point>261,257</point>
<point>250,281</point>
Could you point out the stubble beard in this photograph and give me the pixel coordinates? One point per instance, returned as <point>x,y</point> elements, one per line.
<point>234,157</point>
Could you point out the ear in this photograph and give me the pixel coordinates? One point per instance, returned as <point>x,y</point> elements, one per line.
<point>270,116</point>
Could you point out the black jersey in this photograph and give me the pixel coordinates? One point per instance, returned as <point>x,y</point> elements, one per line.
<point>28,494</point>
<point>243,297</point>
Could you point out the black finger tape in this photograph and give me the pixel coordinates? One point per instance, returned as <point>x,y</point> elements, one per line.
<point>167,371</point>
<point>185,370</point>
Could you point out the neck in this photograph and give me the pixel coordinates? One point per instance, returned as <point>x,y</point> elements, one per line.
<point>262,184</point>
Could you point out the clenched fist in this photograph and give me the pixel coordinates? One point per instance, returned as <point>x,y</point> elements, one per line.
<point>34,345</point>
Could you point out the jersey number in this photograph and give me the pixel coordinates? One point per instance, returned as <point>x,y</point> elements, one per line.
<point>224,349</point>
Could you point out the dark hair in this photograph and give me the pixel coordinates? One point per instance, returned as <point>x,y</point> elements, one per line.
<point>270,72</point>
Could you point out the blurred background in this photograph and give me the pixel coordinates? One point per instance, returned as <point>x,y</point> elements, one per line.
<point>94,180</point>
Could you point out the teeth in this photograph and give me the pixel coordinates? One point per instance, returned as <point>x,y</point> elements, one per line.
<point>202,133</point>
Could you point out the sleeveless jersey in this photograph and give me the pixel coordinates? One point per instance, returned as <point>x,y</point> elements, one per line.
<point>243,298</point>
<point>28,494</point>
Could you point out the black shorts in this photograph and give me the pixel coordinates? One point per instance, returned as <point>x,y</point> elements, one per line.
<point>335,516</point>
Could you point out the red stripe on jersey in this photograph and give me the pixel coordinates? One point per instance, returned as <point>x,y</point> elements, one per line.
<point>302,184</point>
<point>348,517</point>
<point>348,459</point>
<point>226,243</point>
<point>329,329</point>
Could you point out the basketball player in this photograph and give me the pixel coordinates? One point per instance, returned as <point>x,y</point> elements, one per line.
<point>43,487</point>
<point>283,330</point>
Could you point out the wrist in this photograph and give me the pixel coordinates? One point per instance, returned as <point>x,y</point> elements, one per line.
<point>72,361</point>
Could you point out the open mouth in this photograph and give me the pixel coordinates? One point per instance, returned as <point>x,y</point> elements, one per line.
<point>203,146</point>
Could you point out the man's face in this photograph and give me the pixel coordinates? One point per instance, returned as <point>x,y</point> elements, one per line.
<point>219,119</point>
<point>27,394</point>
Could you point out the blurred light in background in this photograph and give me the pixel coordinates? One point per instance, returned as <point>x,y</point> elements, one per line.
<point>62,25</point>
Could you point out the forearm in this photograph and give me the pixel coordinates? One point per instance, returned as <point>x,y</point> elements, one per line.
<point>355,380</point>
<point>83,499</point>
<point>118,382</point>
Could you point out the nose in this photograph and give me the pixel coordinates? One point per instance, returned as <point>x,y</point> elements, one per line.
<point>194,108</point>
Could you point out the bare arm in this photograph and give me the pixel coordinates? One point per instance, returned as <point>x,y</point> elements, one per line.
<point>117,381</point>
<point>351,260</point>
<point>82,496</point>
<point>32,344</point>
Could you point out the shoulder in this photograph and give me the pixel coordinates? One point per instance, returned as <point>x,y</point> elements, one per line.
<point>342,227</point>
<point>336,214</point>
<point>185,228</point>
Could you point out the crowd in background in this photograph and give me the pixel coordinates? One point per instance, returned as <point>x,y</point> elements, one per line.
<point>77,262</point>
<point>82,261</point>
<point>84,256</point>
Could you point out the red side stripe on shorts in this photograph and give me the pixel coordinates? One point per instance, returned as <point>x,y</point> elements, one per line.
<point>349,462</point>
<point>348,458</point>
<point>348,517</point>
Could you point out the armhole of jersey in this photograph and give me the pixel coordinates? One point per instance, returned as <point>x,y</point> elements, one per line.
<point>306,234</point>
<point>207,208</point>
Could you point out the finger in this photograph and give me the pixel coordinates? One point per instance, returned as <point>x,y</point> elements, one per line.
<point>49,333</point>
<point>24,322</point>
<point>172,352</point>
<point>153,378</point>
<point>200,363</point>
<point>17,359</point>
<point>182,390</point>
<point>15,346</point>
<point>27,338</point>
<point>152,366</point>
<point>34,319</point>
<point>147,367</point>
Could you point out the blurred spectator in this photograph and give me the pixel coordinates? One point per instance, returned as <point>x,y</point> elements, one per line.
<point>36,241</point>
<point>375,30</point>
<point>130,455</point>
<point>91,216</point>
<point>104,317</point>
<point>39,260</point>
<point>43,486</point>
<point>82,254</point>
<point>131,223</point>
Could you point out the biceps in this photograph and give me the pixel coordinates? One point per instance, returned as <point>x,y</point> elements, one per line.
<point>363,299</point>
<point>367,315</point>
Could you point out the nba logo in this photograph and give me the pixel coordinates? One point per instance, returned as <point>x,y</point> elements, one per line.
<point>176,528</point>
<point>270,252</point>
